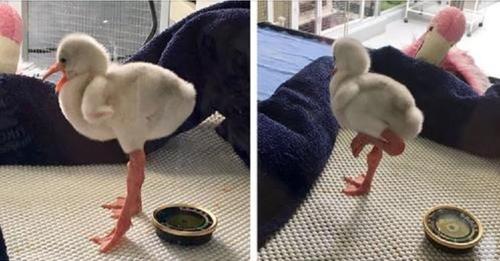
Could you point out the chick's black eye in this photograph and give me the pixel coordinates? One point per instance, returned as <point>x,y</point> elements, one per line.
<point>431,28</point>
<point>62,60</point>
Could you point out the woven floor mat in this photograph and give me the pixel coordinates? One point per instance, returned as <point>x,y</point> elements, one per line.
<point>49,213</point>
<point>387,224</point>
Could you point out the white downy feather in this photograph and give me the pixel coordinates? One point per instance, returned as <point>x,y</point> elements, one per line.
<point>369,102</point>
<point>134,102</point>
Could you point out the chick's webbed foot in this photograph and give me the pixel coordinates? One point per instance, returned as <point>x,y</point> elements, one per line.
<point>357,181</point>
<point>356,186</point>
<point>114,237</point>
<point>117,206</point>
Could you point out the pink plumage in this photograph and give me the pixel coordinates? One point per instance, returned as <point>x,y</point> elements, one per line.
<point>462,64</point>
<point>450,24</point>
<point>11,25</point>
<point>412,49</point>
<point>11,36</point>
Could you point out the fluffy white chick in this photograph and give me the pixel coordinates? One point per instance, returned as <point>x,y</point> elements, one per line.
<point>133,103</point>
<point>380,109</point>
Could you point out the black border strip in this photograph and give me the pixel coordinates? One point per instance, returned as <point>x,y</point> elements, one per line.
<point>296,32</point>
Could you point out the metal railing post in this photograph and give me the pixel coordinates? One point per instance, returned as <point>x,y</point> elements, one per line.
<point>270,11</point>
<point>164,15</point>
<point>362,9</point>
<point>25,17</point>
<point>318,17</point>
<point>294,14</point>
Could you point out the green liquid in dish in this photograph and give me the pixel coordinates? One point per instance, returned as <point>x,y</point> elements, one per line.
<point>185,220</point>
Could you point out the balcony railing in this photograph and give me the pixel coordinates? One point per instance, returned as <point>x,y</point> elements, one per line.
<point>318,16</point>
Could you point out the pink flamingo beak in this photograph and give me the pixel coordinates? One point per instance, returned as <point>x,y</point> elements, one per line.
<point>57,67</point>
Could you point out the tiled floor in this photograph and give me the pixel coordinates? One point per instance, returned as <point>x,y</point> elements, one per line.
<point>483,45</point>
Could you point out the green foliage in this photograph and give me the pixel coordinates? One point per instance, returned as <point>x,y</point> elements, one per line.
<point>384,5</point>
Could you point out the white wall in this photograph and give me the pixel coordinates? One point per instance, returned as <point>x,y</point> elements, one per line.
<point>16,4</point>
<point>200,4</point>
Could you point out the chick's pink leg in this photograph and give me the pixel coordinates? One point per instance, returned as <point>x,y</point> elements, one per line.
<point>361,184</point>
<point>125,208</point>
<point>392,145</point>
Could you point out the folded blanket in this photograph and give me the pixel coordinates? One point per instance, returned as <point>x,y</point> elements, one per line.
<point>296,133</point>
<point>297,130</point>
<point>3,249</point>
<point>209,48</point>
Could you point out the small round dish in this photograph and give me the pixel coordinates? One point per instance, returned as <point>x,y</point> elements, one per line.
<point>452,229</point>
<point>184,224</point>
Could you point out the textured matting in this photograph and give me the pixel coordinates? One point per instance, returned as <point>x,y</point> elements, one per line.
<point>387,224</point>
<point>49,213</point>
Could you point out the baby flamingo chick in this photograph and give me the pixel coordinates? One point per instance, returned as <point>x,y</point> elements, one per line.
<point>380,109</point>
<point>132,103</point>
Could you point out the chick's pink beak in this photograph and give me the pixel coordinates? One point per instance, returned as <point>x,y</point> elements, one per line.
<point>57,67</point>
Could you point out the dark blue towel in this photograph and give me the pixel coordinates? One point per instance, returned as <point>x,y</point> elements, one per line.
<point>3,248</point>
<point>297,130</point>
<point>209,48</point>
<point>296,134</point>
<point>453,114</point>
